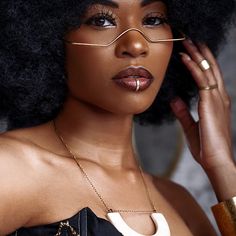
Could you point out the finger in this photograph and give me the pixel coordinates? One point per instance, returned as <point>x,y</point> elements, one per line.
<point>210,57</point>
<point>188,124</point>
<point>197,56</point>
<point>206,52</point>
<point>196,72</point>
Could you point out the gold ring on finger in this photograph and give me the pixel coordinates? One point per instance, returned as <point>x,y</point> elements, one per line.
<point>204,65</point>
<point>210,87</point>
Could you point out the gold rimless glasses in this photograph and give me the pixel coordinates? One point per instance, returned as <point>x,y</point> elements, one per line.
<point>105,39</point>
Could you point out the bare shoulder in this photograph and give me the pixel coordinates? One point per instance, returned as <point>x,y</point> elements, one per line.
<point>16,175</point>
<point>186,206</point>
<point>17,149</point>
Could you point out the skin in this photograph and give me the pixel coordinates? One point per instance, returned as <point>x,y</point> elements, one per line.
<point>47,186</point>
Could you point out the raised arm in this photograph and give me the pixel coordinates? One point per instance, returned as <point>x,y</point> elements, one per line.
<point>209,138</point>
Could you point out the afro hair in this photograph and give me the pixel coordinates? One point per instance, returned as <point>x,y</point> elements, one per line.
<point>33,83</point>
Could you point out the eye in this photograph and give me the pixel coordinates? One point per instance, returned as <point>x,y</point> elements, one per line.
<point>103,20</point>
<point>154,20</point>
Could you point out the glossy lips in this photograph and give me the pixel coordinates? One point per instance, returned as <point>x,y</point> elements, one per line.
<point>128,78</point>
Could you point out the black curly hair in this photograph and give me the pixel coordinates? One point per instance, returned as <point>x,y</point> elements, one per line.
<point>33,84</point>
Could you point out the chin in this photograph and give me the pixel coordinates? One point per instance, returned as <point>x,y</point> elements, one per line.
<point>120,104</point>
<point>140,110</point>
<point>131,109</point>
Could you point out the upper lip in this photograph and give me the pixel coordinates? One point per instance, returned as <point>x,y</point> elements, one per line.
<point>134,71</point>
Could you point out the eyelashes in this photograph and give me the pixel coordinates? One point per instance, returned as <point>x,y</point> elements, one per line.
<point>155,17</point>
<point>102,16</point>
<point>106,18</point>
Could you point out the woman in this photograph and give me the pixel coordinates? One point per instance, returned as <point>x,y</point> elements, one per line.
<point>74,75</point>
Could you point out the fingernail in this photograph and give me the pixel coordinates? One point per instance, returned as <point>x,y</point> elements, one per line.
<point>185,56</point>
<point>190,41</point>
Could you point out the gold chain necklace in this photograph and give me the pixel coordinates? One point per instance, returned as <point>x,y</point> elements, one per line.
<point>113,215</point>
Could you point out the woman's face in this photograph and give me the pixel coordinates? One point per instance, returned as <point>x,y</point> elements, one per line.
<point>91,70</point>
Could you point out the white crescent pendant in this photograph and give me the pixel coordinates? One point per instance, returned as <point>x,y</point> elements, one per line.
<point>162,227</point>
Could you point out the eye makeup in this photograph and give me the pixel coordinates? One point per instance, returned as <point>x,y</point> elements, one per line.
<point>98,10</point>
<point>98,14</point>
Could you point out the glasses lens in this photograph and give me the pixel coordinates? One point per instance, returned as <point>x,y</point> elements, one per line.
<point>108,35</point>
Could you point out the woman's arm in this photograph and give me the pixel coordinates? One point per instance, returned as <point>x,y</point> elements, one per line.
<point>209,138</point>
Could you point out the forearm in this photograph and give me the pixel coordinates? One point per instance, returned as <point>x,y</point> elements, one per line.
<point>223,180</point>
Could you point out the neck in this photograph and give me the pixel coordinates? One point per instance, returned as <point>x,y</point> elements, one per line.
<point>96,135</point>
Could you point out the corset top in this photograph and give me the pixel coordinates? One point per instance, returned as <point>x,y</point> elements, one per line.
<point>84,223</point>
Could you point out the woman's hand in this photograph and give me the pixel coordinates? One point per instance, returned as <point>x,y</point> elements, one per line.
<point>209,139</point>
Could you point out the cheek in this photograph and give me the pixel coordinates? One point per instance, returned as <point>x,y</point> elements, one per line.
<point>159,61</point>
<point>90,75</point>
<point>85,68</point>
<point>162,55</point>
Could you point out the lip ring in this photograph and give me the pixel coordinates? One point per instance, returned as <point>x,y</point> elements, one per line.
<point>137,85</point>
<point>134,78</point>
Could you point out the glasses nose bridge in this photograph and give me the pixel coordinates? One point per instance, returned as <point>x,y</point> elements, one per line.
<point>130,30</point>
<point>133,45</point>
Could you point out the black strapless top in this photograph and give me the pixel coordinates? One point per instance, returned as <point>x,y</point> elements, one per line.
<point>84,223</point>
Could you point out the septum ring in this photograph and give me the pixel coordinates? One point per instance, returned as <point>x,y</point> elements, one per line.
<point>204,65</point>
<point>210,87</point>
<point>137,85</point>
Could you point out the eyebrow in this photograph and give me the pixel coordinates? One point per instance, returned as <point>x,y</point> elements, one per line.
<point>147,2</point>
<point>108,3</point>
<point>113,4</point>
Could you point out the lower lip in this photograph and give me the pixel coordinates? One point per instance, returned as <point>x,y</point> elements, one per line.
<point>131,83</point>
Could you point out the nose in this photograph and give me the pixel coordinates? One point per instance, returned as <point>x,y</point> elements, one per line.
<point>132,44</point>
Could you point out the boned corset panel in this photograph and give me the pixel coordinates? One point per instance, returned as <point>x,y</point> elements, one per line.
<point>83,223</point>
